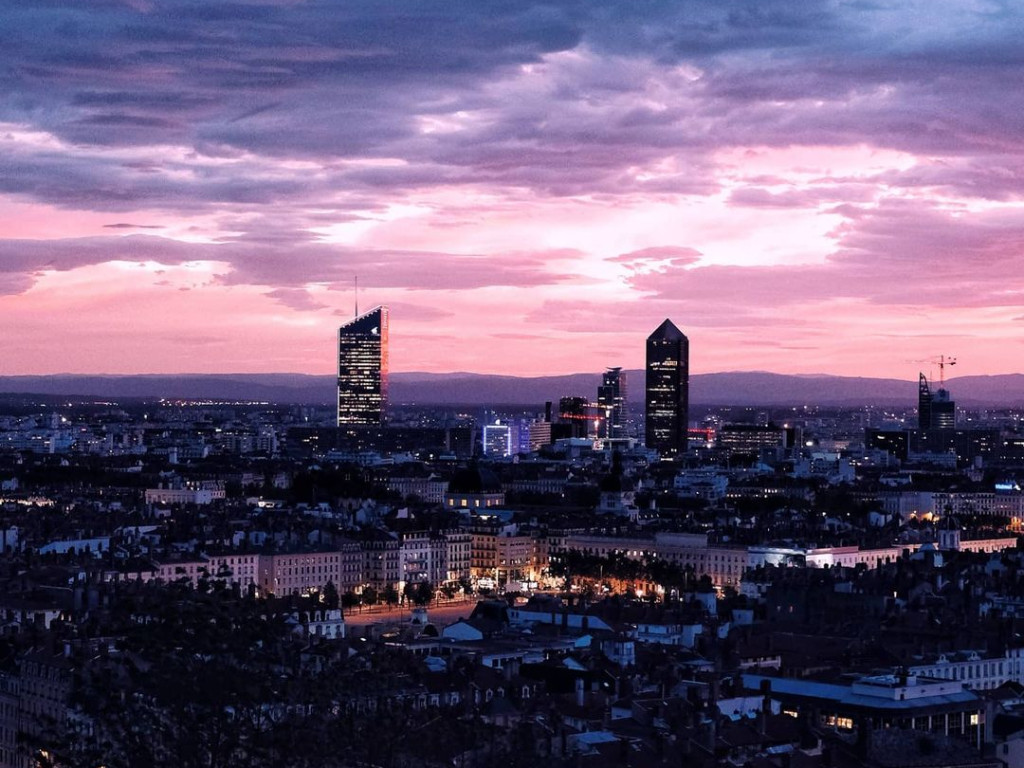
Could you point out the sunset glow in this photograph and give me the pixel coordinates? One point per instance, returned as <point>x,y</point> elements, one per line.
<point>532,188</point>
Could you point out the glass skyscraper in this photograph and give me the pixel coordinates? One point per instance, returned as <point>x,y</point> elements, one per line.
<point>935,410</point>
<point>363,370</point>
<point>667,397</point>
<point>611,396</point>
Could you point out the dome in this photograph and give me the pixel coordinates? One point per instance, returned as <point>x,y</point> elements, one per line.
<point>474,479</point>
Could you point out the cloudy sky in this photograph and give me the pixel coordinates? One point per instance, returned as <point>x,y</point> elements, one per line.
<point>531,186</point>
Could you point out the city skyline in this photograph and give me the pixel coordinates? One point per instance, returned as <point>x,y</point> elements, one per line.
<point>806,188</point>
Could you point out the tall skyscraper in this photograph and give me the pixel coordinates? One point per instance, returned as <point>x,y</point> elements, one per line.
<point>611,396</point>
<point>935,410</point>
<point>363,370</point>
<point>668,390</point>
<point>924,403</point>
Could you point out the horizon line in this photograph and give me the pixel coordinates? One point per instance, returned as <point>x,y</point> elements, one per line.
<point>70,374</point>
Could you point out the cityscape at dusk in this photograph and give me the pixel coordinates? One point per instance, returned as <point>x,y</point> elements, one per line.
<point>540,384</point>
<point>820,187</point>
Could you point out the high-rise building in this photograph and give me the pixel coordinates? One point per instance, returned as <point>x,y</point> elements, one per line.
<point>924,403</point>
<point>668,390</point>
<point>539,432</point>
<point>582,417</point>
<point>943,410</point>
<point>611,397</point>
<point>363,370</point>
<point>935,410</point>
<point>497,440</point>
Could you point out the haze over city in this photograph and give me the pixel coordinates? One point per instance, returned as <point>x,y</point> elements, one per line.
<point>803,187</point>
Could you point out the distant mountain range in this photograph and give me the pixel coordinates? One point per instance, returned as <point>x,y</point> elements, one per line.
<point>733,388</point>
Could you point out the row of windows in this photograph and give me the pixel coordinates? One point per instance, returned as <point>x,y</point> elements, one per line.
<point>968,672</point>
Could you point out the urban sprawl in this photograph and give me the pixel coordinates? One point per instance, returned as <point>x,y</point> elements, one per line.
<point>586,582</point>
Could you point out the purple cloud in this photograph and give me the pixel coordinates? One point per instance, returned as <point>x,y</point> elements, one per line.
<point>283,266</point>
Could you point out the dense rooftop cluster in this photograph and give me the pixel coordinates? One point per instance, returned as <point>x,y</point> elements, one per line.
<point>242,584</point>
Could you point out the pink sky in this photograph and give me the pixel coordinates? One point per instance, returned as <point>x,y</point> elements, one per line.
<point>801,188</point>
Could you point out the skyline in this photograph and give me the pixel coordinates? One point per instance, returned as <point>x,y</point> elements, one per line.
<point>529,187</point>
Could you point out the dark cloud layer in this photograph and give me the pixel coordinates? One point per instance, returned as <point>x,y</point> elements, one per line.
<point>326,80</point>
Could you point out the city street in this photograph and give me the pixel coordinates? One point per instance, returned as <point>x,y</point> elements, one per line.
<point>439,614</point>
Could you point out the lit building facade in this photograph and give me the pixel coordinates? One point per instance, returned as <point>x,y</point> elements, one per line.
<point>497,440</point>
<point>539,432</point>
<point>363,370</point>
<point>460,551</point>
<point>582,417</point>
<point>424,557</point>
<point>877,703</point>
<point>935,410</point>
<point>752,438</point>
<point>611,397</point>
<point>306,572</point>
<point>667,390</point>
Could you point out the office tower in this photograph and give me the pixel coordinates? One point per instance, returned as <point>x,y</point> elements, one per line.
<point>540,434</point>
<point>935,410</point>
<point>924,403</point>
<point>520,436</point>
<point>611,397</point>
<point>363,370</point>
<point>668,390</point>
<point>943,410</point>
<point>497,440</point>
<point>582,417</point>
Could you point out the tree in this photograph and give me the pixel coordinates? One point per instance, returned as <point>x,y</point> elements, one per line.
<point>370,596</point>
<point>423,593</point>
<point>449,590</point>
<point>330,595</point>
<point>390,595</point>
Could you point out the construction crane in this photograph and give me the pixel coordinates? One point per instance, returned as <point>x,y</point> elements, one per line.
<point>942,361</point>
